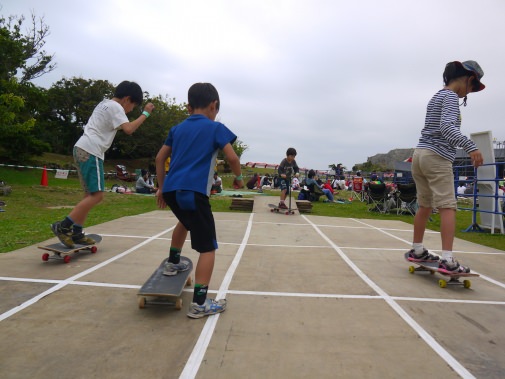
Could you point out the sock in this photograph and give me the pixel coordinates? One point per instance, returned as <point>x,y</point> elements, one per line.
<point>77,229</point>
<point>447,256</point>
<point>175,255</point>
<point>200,294</point>
<point>67,223</point>
<point>418,248</point>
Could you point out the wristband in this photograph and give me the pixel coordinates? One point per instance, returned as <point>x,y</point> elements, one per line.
<point>239,177</point>
<point>146,113</point>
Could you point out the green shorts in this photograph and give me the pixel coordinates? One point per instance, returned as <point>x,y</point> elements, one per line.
<point>90,170</point>
<point>434,180</point>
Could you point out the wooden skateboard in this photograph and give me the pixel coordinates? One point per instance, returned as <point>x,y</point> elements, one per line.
<point>432,268</point>
<point>165,290</point>
<point>275,208</point>
<point>63,253</point>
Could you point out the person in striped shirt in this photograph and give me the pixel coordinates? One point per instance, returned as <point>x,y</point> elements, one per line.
<point>433,158</point>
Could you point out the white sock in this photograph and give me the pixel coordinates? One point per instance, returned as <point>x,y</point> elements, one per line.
<point>418,248</point>
<point>447,256</point>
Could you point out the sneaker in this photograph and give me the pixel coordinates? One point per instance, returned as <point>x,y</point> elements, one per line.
<point>210,307</point>
<point>424,257</point>
<point>282,206</point>
<point>82,239</point>
<point>64,235</point>
<point>173,268</point>
<point>453,267</point>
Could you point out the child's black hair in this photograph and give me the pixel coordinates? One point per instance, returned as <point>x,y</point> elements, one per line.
<point>200,95</point>
<point>291,151</point>
<point>311,174</point>
<point>454,70</point>
<point>131,89</point>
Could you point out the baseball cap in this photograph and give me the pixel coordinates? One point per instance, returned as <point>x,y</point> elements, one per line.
<point>475,68</point>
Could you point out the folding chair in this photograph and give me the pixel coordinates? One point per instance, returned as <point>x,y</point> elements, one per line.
<point>314,192</point>
<point>377,197</point>
<point>407,198</point>
<point>358,189</point>
<point>122,174</point>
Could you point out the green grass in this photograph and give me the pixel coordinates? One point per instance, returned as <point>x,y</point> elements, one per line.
<point>31,208</point>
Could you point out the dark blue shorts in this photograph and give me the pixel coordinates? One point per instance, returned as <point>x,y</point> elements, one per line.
<point>193,210</point>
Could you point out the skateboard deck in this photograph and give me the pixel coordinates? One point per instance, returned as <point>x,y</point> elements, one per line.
<point>432,268</point>
<point>63,253</point>
<point>275,208</point>
<point>165,290</point>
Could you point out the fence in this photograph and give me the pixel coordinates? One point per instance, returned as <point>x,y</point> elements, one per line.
<point>486,195</point>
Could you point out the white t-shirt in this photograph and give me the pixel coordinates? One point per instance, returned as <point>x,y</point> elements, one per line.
<point>99,132</point>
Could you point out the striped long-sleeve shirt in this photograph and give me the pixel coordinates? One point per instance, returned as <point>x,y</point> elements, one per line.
<point>441,132</point>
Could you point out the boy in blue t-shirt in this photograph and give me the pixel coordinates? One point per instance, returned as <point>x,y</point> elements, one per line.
<point>192,147</point>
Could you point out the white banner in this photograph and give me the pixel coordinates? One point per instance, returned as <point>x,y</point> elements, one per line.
<point>61,174</point>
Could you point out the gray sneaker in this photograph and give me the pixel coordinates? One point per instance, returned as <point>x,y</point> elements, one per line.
<point>210,307</point>
<point>173,268</point>
<point>64,235</point>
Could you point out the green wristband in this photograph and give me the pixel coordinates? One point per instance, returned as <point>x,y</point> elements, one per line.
<point>239,177</point>
<point>146,113</point>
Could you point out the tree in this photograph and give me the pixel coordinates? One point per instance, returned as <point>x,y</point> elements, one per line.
<point>61,121</point>
<point>147,140</point>
<point>21,60</point>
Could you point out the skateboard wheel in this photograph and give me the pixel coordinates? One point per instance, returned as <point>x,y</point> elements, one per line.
<point>467,283</point>
<point>45,257</point>
<point>142,302</point>
<point>442,283</point>
<point>67,259</point>
<point>189,281</point>
<point>178,304</point>
<point>412,269</point>
<point>93,249</point>
<point>271,210</point>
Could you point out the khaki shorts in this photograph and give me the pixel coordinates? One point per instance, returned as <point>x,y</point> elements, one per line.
<point>434,180</point>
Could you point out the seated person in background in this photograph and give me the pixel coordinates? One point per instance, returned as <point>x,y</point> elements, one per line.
<point>252,182</point>
<point>312,181</point>
<point>142,185</point>
<point>265,183</point>
<point>295,183</point>
<point>328,186</point>
<point>217,184</point>
<point>461,188</point>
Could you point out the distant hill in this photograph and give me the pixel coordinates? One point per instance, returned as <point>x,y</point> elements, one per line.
<point>389,159</point>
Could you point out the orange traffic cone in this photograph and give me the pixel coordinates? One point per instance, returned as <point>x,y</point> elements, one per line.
<point>43,181</point>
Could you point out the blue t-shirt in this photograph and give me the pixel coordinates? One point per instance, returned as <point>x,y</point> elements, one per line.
<point>195,143</point>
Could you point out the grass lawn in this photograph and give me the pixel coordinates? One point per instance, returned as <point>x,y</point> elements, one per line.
<point>31,208</point>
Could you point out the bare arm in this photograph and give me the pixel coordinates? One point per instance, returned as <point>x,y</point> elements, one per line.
<point>161,157</point>
<point>130,127</point>
<point>234,162</point>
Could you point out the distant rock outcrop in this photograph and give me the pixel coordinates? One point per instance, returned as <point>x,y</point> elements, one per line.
<point>388,160</point>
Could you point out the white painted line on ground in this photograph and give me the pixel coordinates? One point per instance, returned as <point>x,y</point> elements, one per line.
<point>67,281</point>
<point>195,359</point>
<point>444,354</point>
<point>260,293</point>
<point>484,277</point>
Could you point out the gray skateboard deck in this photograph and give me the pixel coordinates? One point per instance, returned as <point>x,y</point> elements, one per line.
<point>65,254</point>
<point>165,290</point>
<point>432,268</point>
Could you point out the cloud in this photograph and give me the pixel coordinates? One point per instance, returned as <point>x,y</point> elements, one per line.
<point>338,80</point>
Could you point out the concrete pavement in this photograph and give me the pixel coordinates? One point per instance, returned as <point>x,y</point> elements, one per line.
<point>308,296</point>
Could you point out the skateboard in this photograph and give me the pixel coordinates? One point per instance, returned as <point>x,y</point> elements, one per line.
<point>165,290</point>
<point>275,208</point>
<point>63,253</point>
<point>432,268</point>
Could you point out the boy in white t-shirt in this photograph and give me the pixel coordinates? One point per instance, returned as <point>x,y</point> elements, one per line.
<point>107,118</point>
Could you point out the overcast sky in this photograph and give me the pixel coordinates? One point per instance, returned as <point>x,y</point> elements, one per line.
<point>338,80</point>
